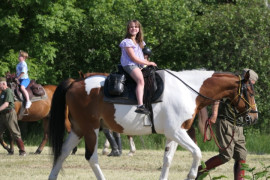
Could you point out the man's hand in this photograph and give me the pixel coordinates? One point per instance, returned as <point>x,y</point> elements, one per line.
<point>215,106</point>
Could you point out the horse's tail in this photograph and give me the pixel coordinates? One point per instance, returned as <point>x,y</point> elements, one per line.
<point>57,118</point>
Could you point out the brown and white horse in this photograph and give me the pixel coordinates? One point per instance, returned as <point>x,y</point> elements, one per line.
<point>185,94</point>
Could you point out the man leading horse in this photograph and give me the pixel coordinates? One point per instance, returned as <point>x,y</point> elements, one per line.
<point>229,134</point>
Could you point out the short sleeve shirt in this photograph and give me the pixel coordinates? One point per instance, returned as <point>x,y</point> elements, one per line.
<point>224,111</point>
<point>125,59</point>
<point>7,96</point>
<point>22,67</point>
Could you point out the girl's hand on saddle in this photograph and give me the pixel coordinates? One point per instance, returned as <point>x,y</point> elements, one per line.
<point>151,64</point>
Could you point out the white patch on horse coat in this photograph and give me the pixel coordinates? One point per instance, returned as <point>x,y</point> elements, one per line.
<point>94,82</point>
<point>131,121</point>
<point>177,92</point>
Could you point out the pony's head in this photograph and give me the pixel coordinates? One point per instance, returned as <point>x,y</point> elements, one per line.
<point>244,100</point>
<point>11,80</point>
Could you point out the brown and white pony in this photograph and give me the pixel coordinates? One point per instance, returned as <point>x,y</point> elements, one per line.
<point>185,94</point>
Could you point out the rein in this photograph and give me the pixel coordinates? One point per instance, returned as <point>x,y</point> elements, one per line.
<point>208,125</point>
<point>190,86</point>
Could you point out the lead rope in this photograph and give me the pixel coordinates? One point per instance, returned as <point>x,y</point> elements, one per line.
<point>208,124</point>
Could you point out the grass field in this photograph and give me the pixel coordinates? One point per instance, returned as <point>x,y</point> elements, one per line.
<point>144,165</point>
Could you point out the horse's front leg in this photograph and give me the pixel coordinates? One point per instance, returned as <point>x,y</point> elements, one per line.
<point>182,138</point>
<point>131,145</point>
<point>170,149</point>
<point>106,146</point>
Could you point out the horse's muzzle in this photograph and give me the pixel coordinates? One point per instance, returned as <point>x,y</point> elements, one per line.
<point>248,120</point>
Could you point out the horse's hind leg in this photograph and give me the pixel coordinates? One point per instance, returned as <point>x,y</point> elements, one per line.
<point>91,155</point>
<point>71,141</point>
<point>45,137</point>
<point>10,149</point>
<point>170,149</point>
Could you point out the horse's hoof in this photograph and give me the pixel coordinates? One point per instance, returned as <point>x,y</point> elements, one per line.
<point>37,151</point>
<point>105,152</point>
<point>74,151</point>
<point>10,152</point>
<point>130,154</point>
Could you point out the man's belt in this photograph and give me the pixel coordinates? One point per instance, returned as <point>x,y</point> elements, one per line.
<point>5,111</point>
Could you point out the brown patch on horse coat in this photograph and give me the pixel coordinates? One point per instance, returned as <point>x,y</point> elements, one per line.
<point>188,123</point>
<point>210,92</point>
<point>91,107</point>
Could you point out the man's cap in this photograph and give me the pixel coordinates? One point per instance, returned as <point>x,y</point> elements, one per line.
<point>3,79</point>
<point>253,76</point>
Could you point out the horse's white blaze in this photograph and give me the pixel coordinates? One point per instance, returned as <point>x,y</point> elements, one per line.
<point>94,82</point>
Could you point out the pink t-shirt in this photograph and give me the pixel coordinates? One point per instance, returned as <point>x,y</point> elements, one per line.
<point>125,59</point>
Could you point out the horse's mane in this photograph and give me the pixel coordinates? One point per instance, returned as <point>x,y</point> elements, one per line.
<point>221,72</point>
<point>192,70</point>
<point>88,74</point>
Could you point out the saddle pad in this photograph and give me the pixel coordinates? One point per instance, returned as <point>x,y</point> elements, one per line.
<point>129,95</point>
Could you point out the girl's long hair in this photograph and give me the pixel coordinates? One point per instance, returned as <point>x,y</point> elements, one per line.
<point>139,36</point>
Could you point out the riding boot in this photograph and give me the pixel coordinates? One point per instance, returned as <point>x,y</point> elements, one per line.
<point>238,173</point>
<point>114,146</point>
<point>210,164</point>
<point>21,147</point>
<point>117,138</point>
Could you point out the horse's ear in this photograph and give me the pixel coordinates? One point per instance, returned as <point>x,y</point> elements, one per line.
<point>247,75</point>
<point>7,75</point>
<point>81,74</point>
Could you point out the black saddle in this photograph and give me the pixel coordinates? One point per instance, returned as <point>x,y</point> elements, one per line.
<point>153,89</point>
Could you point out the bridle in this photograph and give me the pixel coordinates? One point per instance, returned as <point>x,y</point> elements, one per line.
<point>242,95</point>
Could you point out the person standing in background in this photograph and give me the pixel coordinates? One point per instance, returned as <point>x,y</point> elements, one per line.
<point>8,116</point>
